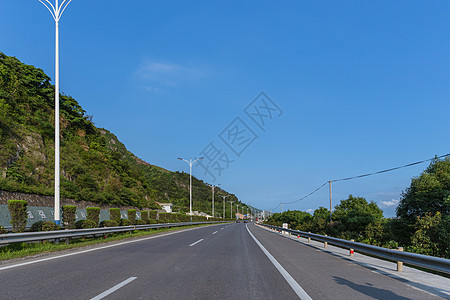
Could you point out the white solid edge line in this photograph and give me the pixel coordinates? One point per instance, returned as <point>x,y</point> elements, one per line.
<point>113,289</point>
<point>90,250</point>
<point>193,244</point>
<point>294,285</point>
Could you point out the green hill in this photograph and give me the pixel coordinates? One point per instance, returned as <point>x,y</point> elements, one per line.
<point>95,165</point>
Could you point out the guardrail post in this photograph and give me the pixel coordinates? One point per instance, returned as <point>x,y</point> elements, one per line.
<point>67,240</point>
<point>400,263</point>
<point>352,251</point>
<point>325,244</point>
<point>309,238</point>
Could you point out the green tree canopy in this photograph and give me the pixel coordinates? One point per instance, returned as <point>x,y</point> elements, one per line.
<point>322,213</point>
<point>355,214</point>
<point>428,193</point>
<point>292,217</point>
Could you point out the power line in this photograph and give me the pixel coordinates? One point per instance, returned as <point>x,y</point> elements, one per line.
<point>306,195</point>
<point>360,176</point>
<point>391,169</point>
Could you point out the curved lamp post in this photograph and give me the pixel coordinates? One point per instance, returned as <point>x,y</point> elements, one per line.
<point>213,187</point>
<point>224,205</point>
<point>56,11</point>
<point>231,209</point>
<point>190,162</point>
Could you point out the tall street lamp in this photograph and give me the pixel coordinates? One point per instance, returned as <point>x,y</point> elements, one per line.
<point>224,205</point>
<point>231,209</point>
<point>56,11</point>
<point>213,187</point>
<point>190,162</point>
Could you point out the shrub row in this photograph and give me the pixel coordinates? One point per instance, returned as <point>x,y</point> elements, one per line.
<point>18,212</point>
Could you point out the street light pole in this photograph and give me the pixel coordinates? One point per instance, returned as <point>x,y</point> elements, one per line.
<point>56,11</point>
<point>231,209</point>
<point>213,188</point>
<point>190,162</point>
<point>331,207</point>
<point>224,204</point>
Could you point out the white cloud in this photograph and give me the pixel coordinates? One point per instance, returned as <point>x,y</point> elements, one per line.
<point>153,90</point>
<point>393,202</point>
<point>310,210</point>
<point>156,76</point>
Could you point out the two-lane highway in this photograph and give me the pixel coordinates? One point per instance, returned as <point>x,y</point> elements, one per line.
<point>214,262</point>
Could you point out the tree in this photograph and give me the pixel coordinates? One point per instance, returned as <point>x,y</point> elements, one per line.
<point>294,218</point>
<point>423,214</point>
<point>353,215</point>
<point>428,193</point>
<point>432,235</point>
<point>322,213</point>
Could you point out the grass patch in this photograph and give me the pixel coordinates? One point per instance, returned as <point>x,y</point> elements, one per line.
<point>20,250</point>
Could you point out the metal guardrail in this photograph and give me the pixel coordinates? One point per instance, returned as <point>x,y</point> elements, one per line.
<point>420,260</point>
<point>26,237</point>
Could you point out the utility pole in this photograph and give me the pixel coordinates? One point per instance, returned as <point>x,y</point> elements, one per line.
<point>56,11</point>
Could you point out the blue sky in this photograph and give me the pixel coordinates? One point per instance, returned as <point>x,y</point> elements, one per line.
<point>361,86</point>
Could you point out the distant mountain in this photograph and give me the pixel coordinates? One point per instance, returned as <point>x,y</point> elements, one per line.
<point>95,165</point>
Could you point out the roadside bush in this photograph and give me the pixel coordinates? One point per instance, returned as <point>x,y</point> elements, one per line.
<point>152,221</point>
<point>93,214</point>
<point>44,226</point>
<point>144,215</point>
<point>163,216</point>
<point>84,224</point>
<point>49,226</point>
<point>18,211</point>
<point>114,214</point>
<point>141,222</point>
<point>199,218</point>
<point>183,218</point>
<point>153,214</point>
<point>132,216</point>
<point>2,230</point>
<point>68,212</point>
<point>125,222</point>
<point>109,223</point>
<point>36,226</point>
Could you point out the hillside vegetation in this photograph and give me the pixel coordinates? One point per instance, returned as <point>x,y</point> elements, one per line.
<point>95,165</point>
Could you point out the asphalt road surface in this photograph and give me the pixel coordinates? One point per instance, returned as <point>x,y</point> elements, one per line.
<point>231,261</point>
